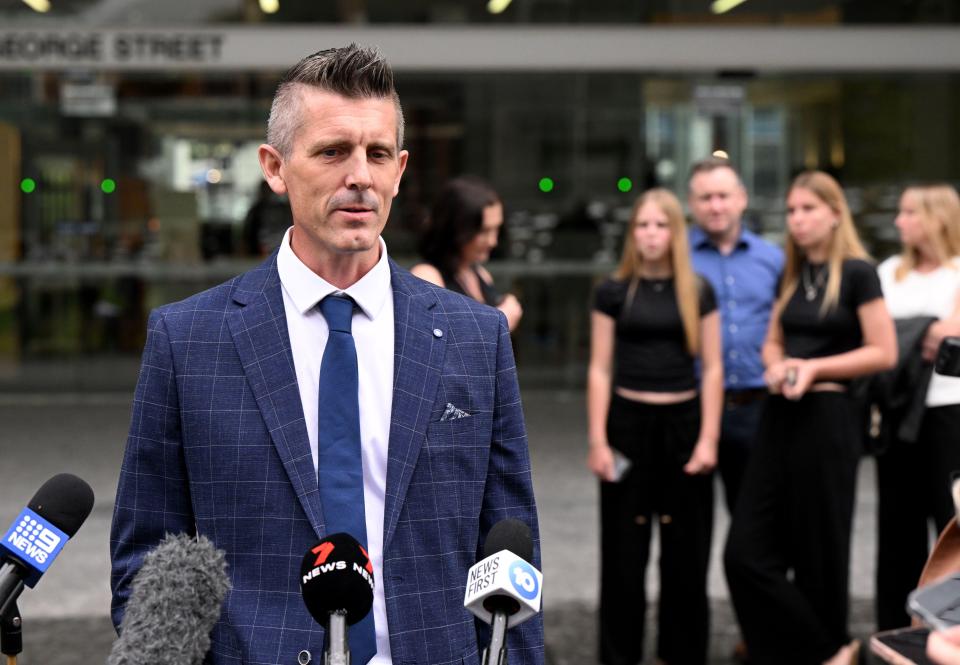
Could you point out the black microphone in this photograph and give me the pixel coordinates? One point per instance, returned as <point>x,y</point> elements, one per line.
<point>175,600</point>
<point>336,579</point>
<point>39,532</point>
<point>503,589</point>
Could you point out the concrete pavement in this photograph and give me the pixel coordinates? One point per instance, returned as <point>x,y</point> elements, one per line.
<point>65,617</point>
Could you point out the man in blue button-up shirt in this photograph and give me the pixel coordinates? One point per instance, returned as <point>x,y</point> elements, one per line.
<point>744,270</point>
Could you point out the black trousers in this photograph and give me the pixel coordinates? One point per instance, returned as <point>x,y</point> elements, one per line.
<point>738,434</point>
<point>913,486</point>
<point>788,551</point>
<point>659,440</point>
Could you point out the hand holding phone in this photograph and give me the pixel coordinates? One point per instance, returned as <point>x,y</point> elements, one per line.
<point>621,464</point>
<point>937,605</point>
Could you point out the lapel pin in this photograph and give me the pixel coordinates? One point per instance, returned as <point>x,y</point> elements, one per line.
<point>437,333</point>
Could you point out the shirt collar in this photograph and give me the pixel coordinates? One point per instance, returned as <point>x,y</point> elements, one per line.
<point>700,240</point>
<point>306,288</point>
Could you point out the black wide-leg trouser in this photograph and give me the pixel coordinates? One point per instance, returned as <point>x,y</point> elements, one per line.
<point>913,486</point>
<point>658,439</point>
<point>787,557</point>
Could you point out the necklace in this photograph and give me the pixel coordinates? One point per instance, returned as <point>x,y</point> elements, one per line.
<point>812,283</point>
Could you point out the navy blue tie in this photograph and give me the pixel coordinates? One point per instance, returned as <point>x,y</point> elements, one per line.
<point>339,466</point>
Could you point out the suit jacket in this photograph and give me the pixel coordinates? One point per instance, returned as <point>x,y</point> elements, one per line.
<point>218,446</point>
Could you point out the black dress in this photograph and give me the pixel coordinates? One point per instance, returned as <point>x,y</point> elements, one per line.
<point>491,296</point>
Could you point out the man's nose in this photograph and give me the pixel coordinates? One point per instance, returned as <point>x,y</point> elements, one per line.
<point>358,174</point>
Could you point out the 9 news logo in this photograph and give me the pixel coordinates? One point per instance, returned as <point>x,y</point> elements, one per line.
<point>524,579</point>
<point>33,538</point>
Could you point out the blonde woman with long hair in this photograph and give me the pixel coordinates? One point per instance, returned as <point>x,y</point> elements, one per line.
<point>921,286</point>
<point>787,555</point>
<point>647,410</point>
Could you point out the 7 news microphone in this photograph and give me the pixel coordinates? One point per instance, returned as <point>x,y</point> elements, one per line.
<point>503,589</point>
<point>175,601</point>
<point>39,532</point>
<point>336,579</point>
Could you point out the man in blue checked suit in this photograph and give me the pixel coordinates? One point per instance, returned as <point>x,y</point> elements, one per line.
<point>229,430</point>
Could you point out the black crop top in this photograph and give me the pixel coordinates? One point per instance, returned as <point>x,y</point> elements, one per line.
<point>650,347</point>
<point>807,334</point>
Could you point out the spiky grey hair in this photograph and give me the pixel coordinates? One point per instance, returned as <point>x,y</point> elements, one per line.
<point>352,71</point>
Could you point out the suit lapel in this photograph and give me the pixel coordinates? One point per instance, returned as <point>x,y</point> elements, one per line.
<point>259,329</point>
<point>417,361</point>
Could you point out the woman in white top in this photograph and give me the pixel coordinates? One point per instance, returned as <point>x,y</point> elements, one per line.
<point>914,478</point>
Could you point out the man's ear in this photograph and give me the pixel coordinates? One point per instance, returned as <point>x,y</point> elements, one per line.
<point>402,163</point>
<point>271,163</point>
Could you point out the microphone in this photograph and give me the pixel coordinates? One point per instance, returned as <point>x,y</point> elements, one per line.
<point>503,589</point>
<point>39,532</point>
<point>336,580</point>
<point>175,600</point>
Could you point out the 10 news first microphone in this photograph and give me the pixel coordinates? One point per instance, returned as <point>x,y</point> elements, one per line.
<point>176,596</point>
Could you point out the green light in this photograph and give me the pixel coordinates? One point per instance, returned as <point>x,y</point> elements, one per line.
<point>624,185</point>
<point>546,185</point>
<point>108,186</point>
<point>27,185</point>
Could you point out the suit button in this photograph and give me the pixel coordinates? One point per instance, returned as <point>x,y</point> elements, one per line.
<point>304,657</point>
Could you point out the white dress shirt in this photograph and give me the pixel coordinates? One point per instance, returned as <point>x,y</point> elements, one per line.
<point>373,334</point>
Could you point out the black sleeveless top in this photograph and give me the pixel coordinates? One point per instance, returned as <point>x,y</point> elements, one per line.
<point>491,296</point>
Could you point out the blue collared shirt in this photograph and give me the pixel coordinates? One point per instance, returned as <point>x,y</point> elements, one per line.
<point>745,283</point>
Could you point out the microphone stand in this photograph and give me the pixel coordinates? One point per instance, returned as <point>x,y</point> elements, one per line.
<point>338,652</point>
<point>11,585</point>
<point>496,653</point>
<point>11,640</point>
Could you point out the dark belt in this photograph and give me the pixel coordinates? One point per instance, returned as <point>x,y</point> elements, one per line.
<point>733,398</point>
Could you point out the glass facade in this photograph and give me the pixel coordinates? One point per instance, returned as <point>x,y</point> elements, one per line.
<point>125,190</point>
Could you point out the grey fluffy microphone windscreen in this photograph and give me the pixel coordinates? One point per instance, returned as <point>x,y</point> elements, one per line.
<point>175,600</point>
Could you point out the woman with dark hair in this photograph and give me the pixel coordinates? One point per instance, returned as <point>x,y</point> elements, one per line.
<point>652,321</point>
<point>463,228</point>
<point>788,551</point>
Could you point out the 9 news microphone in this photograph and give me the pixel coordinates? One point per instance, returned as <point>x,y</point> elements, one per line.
<point>336,579</point>
<point>503,589</point>
<point>175,600</point>
<point>39,532</point>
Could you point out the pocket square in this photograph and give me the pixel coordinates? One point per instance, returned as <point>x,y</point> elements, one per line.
<point>453,413</point>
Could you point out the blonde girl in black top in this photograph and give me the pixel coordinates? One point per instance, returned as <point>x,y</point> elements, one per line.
<point>787,555</point>
<point>651,321</point>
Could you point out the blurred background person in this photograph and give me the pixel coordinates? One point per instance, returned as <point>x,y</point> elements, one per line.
<point>744,270</point>
<point>266,221</point>
<point>787,555</point>
<point>921,286</point>
<point>650,322</point>
<point>462,230</point>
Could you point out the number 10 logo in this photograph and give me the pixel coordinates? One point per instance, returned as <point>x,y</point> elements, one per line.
<point>524,579</point>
